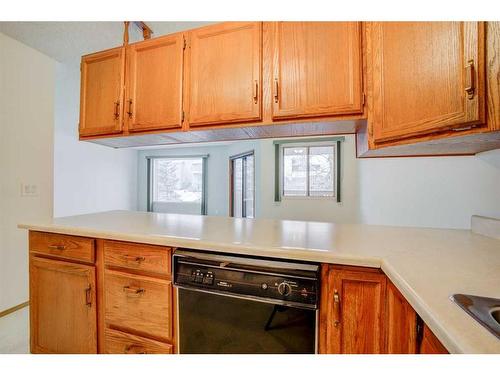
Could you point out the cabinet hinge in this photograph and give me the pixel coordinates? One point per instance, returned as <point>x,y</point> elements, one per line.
<point>185,43</point>
<point>182,117</point>
<point>363,99</point>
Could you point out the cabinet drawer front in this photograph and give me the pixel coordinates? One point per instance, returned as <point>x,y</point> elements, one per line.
<point>63,246</point>
<point>138,303</point>
<point>125,343</point>
<point>138,257</point>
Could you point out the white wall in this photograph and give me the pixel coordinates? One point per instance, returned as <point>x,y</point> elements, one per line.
<point>26,138</point>
<point>429,191</point>
<point>87,177</point>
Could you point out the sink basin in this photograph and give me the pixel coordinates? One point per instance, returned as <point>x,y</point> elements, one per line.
<point>485,310</point>
<point>495,313</point>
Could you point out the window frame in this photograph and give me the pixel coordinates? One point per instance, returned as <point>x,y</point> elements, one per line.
<point>232,158</point>
<point>280,145</point>
<point>150,178</point>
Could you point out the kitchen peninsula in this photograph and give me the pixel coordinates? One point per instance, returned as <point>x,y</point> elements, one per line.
<point>419,267</point>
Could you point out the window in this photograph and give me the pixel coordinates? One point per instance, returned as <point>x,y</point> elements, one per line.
<point>177,185</point>
<point>242,185</point>
<point>308,169</point>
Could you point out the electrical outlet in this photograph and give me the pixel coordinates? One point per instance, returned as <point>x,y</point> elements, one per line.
<point>29,190</point>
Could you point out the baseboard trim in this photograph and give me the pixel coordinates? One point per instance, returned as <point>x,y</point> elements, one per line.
<point>14,309</point>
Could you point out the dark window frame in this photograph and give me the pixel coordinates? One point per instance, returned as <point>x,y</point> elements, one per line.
<point>232,158</point>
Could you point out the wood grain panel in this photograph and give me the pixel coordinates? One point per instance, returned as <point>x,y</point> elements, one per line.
<point>141,257</point>
<point>430,343</point>
<point>101,92</point>
<point>224,73</point>
<point>420,76</point>
<point>125,343</point>
<point>62,246</point>
<point>352,311</point>
<point>140,304</point>
<point>317,69</point>
<point>62,307</point>
<point>401,323</point>
<point>493,74</point>
<point>153,97</point>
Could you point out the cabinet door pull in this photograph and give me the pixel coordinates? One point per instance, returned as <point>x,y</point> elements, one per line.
<point>276,90</point>
<point>470,79</point>
<point>117,109</point>
<point>133,291</point>
<point>336,308</point>
<point>256,92</point>
<point>138,349</point>
<point>133,258</point>
<point>88,296</point>
<point>129,112</point>
<point>57,247</point>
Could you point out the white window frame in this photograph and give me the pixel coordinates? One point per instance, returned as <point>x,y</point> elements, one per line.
<point>307,145</point>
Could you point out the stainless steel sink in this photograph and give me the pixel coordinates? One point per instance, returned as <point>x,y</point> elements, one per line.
<point>485,310</point>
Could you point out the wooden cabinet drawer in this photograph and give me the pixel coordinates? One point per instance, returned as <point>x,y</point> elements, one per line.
<point>138,303</point>
<point>146,258</point>
<point>117,342</point>
<point>63,246</point>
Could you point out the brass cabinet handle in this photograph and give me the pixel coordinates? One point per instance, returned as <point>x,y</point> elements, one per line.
<point>128,348</point>
<point>88,296</point>
<point>117,110</point>
<point>336,308</point>
<point>256,92</point>
<point>133,291</point>
<point>276,90</point>
<point>134,258</point>
<point>57,247</point>
<point>470,79</point>
<point>129,108</point>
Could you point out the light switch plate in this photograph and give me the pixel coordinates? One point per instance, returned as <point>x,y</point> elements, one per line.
<point>29,190</point>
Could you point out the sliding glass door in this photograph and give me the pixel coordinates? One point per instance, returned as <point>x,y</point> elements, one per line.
<point>242,185</point>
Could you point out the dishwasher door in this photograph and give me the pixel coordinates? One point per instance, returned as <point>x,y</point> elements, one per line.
<point>212,324</point>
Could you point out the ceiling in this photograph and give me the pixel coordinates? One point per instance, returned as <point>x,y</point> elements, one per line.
<point>66,42</point>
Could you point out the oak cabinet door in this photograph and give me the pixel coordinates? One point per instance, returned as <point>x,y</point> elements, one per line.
<point>317,69</point>
<point>101,94</point>
<point>427,77</point>
<point>430,344</point>
<point>224,73</point>
<point>401,323</point>
<point>153,97</point>
<point>62,307</point>
<point>352,311</point>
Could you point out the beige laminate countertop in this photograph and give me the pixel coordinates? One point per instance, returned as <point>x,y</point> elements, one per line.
<point>427,265</point>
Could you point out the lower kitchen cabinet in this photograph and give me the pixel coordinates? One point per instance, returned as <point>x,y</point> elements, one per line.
<point>117,342</point>
<point>352,310</point>
<point>430,344</point>
<point>125,303</point>
<point>401,326</point>
<point>62,307</point>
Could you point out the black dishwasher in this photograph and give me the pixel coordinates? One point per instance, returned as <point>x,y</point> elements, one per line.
<point>240,304</point>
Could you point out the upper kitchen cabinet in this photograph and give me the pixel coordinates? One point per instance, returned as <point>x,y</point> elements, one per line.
<point>317,69</point>
<point>153,94</point>
<point>428,77</point>
<point>101,95</point>
<point>224,74</point>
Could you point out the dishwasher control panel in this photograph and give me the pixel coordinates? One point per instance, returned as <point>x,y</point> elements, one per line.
<point>274,281</point>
